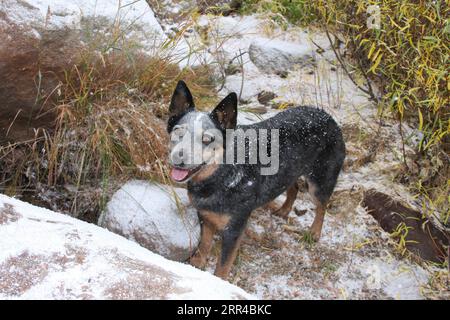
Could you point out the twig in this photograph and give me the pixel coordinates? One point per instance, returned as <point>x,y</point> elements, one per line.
<point>241,62</point>
<point>341,62</point>
<point>241,53</point>
<point>403,142</point>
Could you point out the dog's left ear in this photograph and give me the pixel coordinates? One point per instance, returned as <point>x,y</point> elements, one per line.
<point>182,100</point>
<point>225,114</point>
<point>180,104</point>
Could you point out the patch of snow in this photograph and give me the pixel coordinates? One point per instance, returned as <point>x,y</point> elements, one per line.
<point>396,279</point>
<point>128,19</point>
<point>60,14</point>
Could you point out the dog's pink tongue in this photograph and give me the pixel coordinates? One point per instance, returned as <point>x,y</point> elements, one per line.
<point>179,174</point>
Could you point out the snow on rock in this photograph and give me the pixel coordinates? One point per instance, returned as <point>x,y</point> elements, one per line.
<point>276,56</point>
<point>53,14</point>
<point>47,255</point>
<point>151,215</point>
<point>104,23</point>
<point>107,23</point>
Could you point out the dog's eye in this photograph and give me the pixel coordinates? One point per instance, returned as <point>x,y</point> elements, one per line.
<point>207,139</point>
<point>179,131</point>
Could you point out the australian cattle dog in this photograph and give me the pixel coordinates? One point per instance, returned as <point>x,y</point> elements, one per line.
<point>233,169</point>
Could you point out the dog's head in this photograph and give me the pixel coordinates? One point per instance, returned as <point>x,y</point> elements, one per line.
<point>197,138</point>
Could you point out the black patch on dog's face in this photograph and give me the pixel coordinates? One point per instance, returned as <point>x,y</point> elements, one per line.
<point>180,104</point>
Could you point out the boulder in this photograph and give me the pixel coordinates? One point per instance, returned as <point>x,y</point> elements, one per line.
<point>279,57</point>
<point>47,255</point>
<point>40,39</point>
<point>31,67</point>
<point>155,216</point>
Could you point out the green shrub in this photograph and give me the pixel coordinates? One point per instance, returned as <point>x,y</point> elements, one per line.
<point>301,12</point>
<point>408,56</point>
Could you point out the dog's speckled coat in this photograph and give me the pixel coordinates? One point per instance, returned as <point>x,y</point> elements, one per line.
<point>310,145</point>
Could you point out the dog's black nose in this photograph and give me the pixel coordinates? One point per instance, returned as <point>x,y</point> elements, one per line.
<point>177,159</point>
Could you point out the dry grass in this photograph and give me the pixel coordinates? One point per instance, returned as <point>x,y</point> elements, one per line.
<point>110,112</point>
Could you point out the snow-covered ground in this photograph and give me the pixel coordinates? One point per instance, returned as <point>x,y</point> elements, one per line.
<point>47,255</point>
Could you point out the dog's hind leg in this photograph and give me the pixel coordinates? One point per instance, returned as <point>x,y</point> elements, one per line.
<point>320,186</point>
<point>322,180</point>
<point>321,204</point>
<point>290,199</point>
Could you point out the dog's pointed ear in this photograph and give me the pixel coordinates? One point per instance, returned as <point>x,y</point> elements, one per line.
<point>180,104</point>
<point>182,100</point>
<point>225,114</point>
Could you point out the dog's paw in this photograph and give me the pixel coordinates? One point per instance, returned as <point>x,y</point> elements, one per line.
<point>198,261</point>
<point>315,234</point>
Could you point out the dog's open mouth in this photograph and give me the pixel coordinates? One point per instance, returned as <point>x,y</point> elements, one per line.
<point>180,175</point>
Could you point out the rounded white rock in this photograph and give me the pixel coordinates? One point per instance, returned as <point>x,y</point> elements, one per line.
<point>156,216</point>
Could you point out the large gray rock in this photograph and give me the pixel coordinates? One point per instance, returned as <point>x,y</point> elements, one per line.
<point>47,255</point>
<point>151,215</point>
<point>279,57</point>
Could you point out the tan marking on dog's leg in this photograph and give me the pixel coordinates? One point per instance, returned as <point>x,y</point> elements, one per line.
<point>200,257</point>
<point>316,227</point>
<point>212,222</point>
<point>271,206</point>
<point>287,205</point>
<point>223,270</point>
<point>218,220</point>
<point>205,172</point>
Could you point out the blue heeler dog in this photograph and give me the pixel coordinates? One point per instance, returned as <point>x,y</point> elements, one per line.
<point>303,141</point>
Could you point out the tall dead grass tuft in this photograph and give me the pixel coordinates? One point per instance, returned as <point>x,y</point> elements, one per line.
<point>109,127</point>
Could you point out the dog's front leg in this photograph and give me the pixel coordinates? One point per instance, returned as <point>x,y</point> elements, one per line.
<point>200,257</point>
<point>231,240</point>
